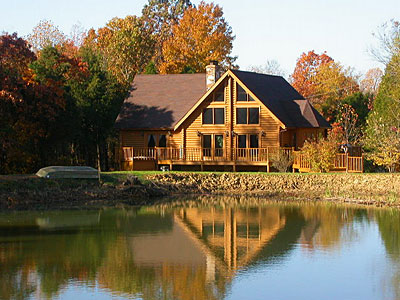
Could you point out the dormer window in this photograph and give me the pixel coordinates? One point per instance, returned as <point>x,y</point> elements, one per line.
<point>242,95</point>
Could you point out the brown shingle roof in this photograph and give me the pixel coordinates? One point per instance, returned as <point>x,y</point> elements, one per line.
<point>282,100</point>
<point>160,101</point>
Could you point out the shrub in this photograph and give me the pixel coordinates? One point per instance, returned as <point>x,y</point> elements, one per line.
<point>321,153</point>
<point>282,161</point>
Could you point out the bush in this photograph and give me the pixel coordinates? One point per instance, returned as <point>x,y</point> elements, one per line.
<point>282,161</point>
<point>321,154</point>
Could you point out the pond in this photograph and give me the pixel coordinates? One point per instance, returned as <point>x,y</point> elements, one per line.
<point>273,251</point>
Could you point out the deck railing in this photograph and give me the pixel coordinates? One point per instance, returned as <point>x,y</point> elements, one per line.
<point>204,154</point>
<point>341,162</point>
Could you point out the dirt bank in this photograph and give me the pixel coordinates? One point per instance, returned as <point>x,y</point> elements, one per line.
<point>28,192</point>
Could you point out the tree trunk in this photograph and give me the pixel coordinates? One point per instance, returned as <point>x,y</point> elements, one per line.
<point>98,162</point>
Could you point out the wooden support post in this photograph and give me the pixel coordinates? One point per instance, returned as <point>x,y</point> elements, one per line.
<point>202,166</point>
<point>234,167</point>
<point>268,166</point>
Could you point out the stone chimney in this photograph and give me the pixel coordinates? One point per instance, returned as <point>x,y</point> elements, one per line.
<point>213,73</point>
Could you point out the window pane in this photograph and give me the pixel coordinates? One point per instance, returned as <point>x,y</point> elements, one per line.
<point>207,116</point>
<point>207,141</point>
<point>241,94</point>
<point>151,141</point>
<point>242,141</point>
<point>162,142</point>
<point>254,115</point>
<point>251,98</point>
<point>218,145</point>
<point>253,141</point>
<point>241,116</point>
<point>219,141</point>
<point>219,94</point>
<point>219,115</point>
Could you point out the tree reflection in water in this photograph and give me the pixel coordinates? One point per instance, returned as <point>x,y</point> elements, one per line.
<point>150,253</point>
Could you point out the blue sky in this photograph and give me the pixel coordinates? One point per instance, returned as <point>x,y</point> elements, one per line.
<point>279,30</point>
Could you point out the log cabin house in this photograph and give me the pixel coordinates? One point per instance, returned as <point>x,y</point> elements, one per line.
<point>232,121</point>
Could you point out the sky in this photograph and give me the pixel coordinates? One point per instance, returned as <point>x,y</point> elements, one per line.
<point>265,30</point>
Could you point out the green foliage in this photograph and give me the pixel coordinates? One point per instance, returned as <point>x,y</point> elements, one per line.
<point>382,135</point>
<point>150,68</point>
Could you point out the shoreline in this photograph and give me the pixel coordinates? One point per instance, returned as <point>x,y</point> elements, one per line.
<point>19,192</point>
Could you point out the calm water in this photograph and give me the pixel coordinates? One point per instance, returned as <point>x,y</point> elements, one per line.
<point>276,251</point>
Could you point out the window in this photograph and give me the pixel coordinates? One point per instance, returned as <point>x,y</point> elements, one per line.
<point>248,115</point>
<point>219,144</point>
<point>253,140</point>
<point>219,95</point>
<point>241,116</point>
<point>207,145</point>
<point>242,94</point>
<point>208,116</point>
<point>247,141</point>
<point>151,141</point>
<point>254,115</point>
<point>156,140</point>
<point>214,116</point>
<point>213,144</point>
<point>162,140</point>
<point>242,141</point>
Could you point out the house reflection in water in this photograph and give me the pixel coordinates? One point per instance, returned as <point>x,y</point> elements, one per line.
<point>215,242</point>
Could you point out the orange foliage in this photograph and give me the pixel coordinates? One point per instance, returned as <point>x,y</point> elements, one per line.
<point>200,36</point>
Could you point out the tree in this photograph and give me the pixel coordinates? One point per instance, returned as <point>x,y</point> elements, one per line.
<point>271,67</point>
<point>389,42</point>
<point>332,83</point>
<point>126,45</point>
<point>305,71</point>
<point>200,36</point>
<point>323,81</point>
<point>347,118</point>
<point>45,34</point>
<point>15,57</point>
<point>382,136</point>
<point>159,17</point>
<point>370,83</point>
<point>98,100</point>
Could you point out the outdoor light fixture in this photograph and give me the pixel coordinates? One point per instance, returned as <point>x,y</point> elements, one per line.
<point>169,133</point>
<point>227,133</point>
<point>233,133</point>
<point>263,133</point>
<point>198,133</point>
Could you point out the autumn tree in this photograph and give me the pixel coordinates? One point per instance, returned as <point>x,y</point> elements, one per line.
<point>200,36</point>
<point>159,16</point>
<point>332,83</point>
<point>45,34</point>
<point>15,57</point>
<point>370,83</point>
<point>323,81</point>
<point>271,67</point>
<point>126,45</point>
<point>307,66</point>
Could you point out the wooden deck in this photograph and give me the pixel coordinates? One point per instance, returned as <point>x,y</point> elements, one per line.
<point>342,163</point>
<point>260,157</point>
<point>204,156</point>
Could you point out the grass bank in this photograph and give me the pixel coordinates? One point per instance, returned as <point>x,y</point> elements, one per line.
<point>145,188</point>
